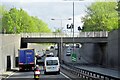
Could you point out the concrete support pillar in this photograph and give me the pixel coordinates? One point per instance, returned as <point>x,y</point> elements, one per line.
<point>93,53</point>
<point>23,45</point>
<point>57,49</point>
<point>60,51</point>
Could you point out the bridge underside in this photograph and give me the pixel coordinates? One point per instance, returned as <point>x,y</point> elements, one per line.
<point>60,41</point>
<point>65,40</point>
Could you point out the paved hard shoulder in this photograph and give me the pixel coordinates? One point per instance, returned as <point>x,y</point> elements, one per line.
<point>8,73</point>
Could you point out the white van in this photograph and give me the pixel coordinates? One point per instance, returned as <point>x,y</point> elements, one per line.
<point>52,65</point>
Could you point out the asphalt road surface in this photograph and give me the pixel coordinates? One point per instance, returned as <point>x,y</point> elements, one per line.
<point>68,58</point>
<point>29,75</point>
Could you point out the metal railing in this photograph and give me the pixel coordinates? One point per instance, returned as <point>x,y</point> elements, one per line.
<point>87,75</point>
<point>80,34</point>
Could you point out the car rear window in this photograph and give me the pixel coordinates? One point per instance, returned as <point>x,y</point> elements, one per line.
<point>51,62</point>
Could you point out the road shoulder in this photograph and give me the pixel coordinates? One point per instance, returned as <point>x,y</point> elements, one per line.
<point>9,73</point>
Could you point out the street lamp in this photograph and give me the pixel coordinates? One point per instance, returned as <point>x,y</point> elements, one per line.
<point>73,20</point>
<point>61,33</point>
<point>70,27</point>
<point>79,29</point>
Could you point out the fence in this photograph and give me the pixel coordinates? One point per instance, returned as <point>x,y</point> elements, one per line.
<point>80,34</point>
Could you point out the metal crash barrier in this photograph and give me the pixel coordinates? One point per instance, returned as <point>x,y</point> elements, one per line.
<point>85,74</point>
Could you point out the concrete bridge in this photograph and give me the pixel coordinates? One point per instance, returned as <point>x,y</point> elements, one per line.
<point>86,41</point>
<point>80,34</point>
<point>82,37</point>
<point>64,40</point>
<point>95,45</point>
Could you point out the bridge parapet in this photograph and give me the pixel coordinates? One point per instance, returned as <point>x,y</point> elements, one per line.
<point>80,34</point>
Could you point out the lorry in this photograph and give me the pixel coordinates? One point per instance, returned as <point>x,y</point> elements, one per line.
<point>26,59</point>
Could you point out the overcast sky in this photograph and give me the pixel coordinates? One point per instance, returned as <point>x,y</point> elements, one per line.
<point>48,9</point>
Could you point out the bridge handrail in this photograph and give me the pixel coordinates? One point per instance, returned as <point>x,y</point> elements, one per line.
<point>88,74</point>
<point>80,34</point>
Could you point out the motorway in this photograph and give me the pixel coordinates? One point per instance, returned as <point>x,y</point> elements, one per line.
<point>29,75</point>
<point>66,75</point>
<point>38,47</point>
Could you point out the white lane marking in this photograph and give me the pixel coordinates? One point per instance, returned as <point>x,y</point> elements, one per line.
<point>65,76</point>
<point>11,75</point>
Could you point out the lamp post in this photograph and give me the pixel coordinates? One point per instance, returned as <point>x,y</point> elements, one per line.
<point>73,21</point>
<point>61,35</point>
<point>73,26</point>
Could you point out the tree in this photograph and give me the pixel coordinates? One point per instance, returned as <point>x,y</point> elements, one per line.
<point>101,16</point>
<point>2,12</point>
<point>10,20</point>
<point>58,31</point>
<point>118,14</point>
<point>17,21</point>
<point>40,25</point>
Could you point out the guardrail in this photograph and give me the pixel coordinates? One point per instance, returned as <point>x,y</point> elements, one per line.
<point>80,34</point>
<point>87,75</point>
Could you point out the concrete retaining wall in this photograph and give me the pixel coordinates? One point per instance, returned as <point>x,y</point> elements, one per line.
<point>93,53</point>
<point>106,55</point>
<point>9,45</point>
<point>113,50</point>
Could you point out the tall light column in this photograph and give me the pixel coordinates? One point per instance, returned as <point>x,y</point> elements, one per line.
<point>73,20</point>
<point>61,35</point>
<point>73,26</point>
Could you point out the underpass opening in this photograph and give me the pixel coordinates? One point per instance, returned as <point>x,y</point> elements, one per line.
<point>65,40</point>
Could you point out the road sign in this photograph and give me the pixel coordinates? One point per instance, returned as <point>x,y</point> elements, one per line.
<point>74,57</point>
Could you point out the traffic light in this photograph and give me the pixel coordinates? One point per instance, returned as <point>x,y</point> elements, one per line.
<point>83,28</point>
<point>79,28</point>
<point>68,26</point>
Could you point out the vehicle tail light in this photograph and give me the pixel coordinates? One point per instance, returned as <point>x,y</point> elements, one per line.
<point>31,63</point>
<point>37,72</point>
<point>20,63</point>
<point>32,68</point>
